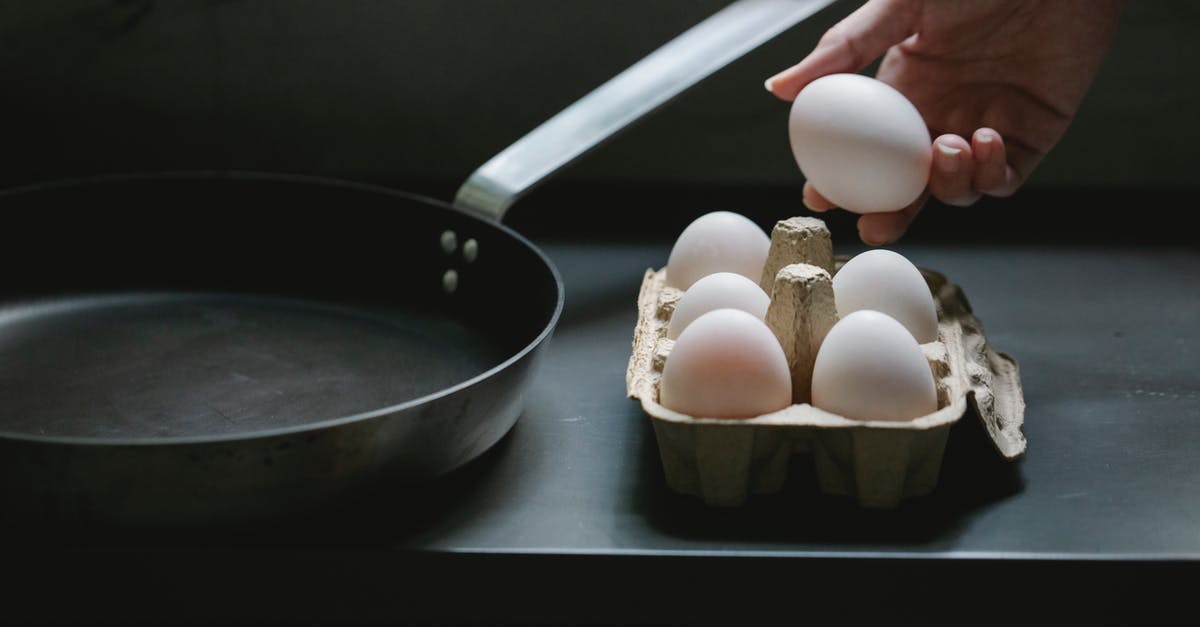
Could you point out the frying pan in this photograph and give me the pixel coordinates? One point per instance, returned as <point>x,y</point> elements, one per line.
<point>223,348</point>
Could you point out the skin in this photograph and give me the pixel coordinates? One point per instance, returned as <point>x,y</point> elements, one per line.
<point>997,81</point>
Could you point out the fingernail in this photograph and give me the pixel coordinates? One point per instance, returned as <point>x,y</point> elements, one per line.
<point>804,199</point>
<point>769,83</point>
<point>948,158</point>
<point>985,138</point>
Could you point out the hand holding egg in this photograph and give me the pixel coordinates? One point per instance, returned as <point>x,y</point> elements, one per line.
<point>1001,85</point>
<point>860,142</point>
<point>863,147</point>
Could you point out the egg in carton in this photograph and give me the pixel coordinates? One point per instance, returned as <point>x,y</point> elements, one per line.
<point>876,462</point>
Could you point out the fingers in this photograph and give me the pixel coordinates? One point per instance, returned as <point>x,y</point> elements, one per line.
<point>963,172</point>
<point>851,45</point>
<point>876,229</point>
<point>960,174</point>
<point>873,228</point>
<point>993,174</point>
<point>951,179</point>
<point>814,200</point>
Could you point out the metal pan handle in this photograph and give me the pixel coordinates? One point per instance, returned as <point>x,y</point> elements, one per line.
<point>644,87</point>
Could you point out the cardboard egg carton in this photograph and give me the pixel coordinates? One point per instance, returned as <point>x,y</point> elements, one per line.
<point>878,463</point>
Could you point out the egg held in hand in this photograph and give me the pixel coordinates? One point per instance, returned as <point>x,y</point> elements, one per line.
<point>726,364</point>
<point>719,241</point>
<point>869,367</point>
<point>887,282</point>
<point>719,290</point>
<point>860,142</point>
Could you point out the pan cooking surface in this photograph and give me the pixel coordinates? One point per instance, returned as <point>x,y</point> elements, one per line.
<point>154,365</point>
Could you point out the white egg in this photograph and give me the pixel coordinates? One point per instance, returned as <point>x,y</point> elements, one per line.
<point>720,241</point>
<point>860,142</point>
<point>718,290</point>
<point>887,281</point>
<point>726,364</point>
<point>869,367</point>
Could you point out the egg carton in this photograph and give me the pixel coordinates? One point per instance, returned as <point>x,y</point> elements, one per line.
<point>877,463</point>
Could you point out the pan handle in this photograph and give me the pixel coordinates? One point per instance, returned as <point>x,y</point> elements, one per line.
<point>644,87</point>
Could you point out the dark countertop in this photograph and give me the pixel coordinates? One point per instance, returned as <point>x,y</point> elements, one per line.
<point>568,518</point>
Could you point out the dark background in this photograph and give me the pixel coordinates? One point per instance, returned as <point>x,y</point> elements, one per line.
<point>416,94</point>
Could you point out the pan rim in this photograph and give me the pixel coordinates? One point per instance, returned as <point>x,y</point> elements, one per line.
<point>283,177</point>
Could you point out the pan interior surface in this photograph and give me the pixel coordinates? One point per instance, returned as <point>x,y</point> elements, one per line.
<point>159,365</point>
<point>218,305</point>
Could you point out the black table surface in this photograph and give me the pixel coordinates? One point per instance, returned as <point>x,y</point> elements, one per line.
<point>568,519</point>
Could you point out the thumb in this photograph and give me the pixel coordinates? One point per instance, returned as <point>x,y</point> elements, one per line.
<point>850,45</point>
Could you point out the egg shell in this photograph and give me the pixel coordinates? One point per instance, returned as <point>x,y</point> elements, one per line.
<point>716,291</point>
<point>860,142</point>
<point>726,364</point>
<point>869,367</point>
<point>718,241</point>
<point>884,280</point>
<point>876,463</point>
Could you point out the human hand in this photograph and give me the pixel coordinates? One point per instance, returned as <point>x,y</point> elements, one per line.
<point>1008,74</point>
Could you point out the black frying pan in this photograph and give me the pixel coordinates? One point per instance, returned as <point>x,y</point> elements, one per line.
<point>254,341</point>
<point>217,348</point>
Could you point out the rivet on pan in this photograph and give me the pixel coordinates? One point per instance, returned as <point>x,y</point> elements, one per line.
<point>449,242</point>
<point>450,281</point>
<point>470,250</point>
